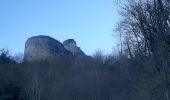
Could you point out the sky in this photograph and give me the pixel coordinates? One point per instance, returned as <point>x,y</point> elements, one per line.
<point>89,22</point>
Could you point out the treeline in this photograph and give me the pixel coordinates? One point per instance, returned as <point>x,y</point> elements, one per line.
<point>80,78</point>
<point>83,78</point>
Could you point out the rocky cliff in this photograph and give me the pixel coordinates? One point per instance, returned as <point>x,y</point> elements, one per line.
<point>44,47</point>
<point>71,46</point>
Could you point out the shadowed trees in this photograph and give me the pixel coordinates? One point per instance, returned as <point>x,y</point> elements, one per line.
<point>81,78</point>
<point>5,57</point>
<point>145,30</point>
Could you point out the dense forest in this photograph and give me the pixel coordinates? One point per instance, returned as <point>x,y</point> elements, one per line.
<point>140,71</point>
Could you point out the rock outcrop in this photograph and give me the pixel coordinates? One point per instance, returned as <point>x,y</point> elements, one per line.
<point>41,47</point>
<point>71,46</point>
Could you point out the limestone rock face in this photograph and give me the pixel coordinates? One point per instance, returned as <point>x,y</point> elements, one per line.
<point>71,46</point>
<point>43,47</point>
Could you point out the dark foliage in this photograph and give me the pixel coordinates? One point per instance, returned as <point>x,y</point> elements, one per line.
<point>5,57</point>
<point>82,79</point>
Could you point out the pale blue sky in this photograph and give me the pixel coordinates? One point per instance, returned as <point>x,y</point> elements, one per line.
<point>89,22</point>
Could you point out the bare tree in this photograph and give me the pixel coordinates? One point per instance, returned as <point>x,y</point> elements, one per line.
<point>146,31</point>
<point>33,88</point>
<point>19,57</point>
<point>98,56</point>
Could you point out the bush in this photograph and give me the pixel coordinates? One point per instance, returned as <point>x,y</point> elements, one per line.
<point>5,57</point>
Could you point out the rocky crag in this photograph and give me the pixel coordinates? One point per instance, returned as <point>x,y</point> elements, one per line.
<point>71,46</point>
<point>42,47</point>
